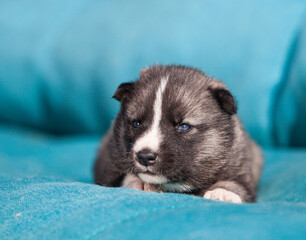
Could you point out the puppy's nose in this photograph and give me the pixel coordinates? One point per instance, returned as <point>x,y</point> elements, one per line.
<point>146,157</point>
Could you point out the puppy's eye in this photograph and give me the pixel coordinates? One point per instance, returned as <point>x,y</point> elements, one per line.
<point>183,127</point>
<point>136,124</point>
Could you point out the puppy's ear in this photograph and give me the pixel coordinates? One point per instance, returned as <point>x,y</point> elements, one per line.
<point>144,71</point>
<point>123,91</point>
<point>225,100</point>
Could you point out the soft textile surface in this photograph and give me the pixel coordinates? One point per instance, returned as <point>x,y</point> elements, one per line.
<point>41,197</point>
<point>61,63</point>
<point>27,153</point>
<point>290,116</point>
<point>40,208</point>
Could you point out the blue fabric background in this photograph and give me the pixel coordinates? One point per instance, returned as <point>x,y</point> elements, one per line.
<point>290,117</point>
<point>46,200</point>
<point>60,63</point>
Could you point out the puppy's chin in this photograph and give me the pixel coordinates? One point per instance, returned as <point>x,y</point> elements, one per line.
<point>149,175</point>
<point>151,178</point>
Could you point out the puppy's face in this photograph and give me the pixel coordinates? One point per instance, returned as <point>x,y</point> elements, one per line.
<point>176,125</point>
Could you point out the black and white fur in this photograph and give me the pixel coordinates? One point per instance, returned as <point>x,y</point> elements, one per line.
<point>214,158</point>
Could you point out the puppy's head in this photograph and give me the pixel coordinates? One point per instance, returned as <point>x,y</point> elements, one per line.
<point>176,125</point>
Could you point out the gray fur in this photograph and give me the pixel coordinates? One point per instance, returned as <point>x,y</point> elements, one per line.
<point>216,152</point>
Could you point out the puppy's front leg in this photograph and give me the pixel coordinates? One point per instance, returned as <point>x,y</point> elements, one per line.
<point>131,181</point>
<point>229,191</point>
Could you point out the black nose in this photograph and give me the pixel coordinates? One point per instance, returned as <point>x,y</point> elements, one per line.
<point>146,157</point>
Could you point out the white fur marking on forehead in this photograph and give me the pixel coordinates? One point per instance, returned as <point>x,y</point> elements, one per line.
<point>152,138</point>
<point>152,179</point>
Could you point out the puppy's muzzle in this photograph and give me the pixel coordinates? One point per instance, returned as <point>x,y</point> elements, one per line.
<point>146,157</point>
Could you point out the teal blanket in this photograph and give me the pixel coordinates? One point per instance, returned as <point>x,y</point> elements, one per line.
<point>61,63</point>
<point>54,198</point>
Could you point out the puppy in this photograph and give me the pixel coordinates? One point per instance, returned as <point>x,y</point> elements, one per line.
<point>178,131</point>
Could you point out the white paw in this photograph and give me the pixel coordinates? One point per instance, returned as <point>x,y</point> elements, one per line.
<point>131,181</point>
<point>223,195</point>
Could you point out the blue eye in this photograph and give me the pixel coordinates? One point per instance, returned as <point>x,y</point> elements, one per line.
<point>183,127</point>
<point>136,124</point>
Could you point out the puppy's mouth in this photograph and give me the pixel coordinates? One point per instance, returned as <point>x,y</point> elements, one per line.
<point>144,169</point>
<point>149,173</point>
<point>148,176</point>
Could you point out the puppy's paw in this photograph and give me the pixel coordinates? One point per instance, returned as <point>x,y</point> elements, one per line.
<point>147,187</point>
<point>223,195</point>
<point>131,181</point>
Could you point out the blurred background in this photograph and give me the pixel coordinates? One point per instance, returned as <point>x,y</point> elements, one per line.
<point>60,63</point>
